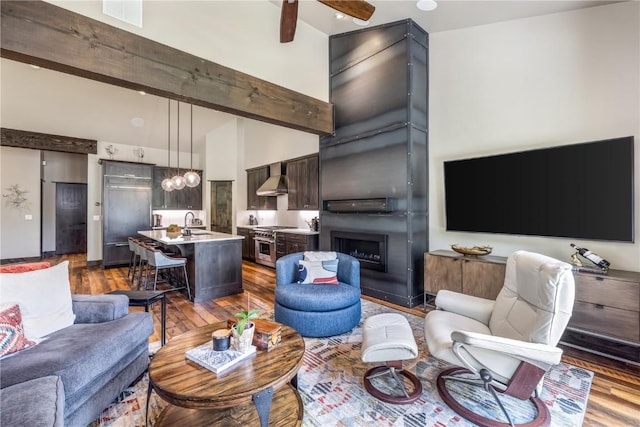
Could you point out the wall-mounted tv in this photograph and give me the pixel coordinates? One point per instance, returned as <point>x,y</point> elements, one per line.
<point>582,191</point>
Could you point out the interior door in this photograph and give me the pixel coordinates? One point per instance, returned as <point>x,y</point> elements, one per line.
<point>221,206</point>
<point>71,218</point>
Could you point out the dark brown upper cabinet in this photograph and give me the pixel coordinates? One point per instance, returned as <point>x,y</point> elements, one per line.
<point>302,183</point>
<point>187,198</point>
<point>255,178</point>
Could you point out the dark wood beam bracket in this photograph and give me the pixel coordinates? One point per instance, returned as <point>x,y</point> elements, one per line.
<point>43,34</point>
<point>43,141</point>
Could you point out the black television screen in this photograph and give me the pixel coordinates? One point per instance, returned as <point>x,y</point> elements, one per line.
<point>580,191</point>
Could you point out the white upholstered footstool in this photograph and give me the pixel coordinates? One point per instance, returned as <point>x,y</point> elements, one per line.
<point>388,338</point>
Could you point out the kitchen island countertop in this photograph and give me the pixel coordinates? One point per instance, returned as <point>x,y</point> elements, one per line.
<point>197,236</point>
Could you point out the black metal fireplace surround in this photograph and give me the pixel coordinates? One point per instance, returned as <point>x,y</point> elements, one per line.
<point>370,249</point>
<point>374,167</point>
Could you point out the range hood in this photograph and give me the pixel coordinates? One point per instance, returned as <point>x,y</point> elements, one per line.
<point>276,183</point>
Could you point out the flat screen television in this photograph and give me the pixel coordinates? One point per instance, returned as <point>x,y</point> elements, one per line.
<point>582,191</point>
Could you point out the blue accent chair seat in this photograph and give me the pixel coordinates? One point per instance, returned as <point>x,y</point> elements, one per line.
<point>318,310</point>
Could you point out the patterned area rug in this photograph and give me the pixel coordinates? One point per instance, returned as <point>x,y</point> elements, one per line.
<point>331,388</point>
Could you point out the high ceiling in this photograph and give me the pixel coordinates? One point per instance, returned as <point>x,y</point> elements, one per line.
<point>449,15</point>
<point>63,103</point>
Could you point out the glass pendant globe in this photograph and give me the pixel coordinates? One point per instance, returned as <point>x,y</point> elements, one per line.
<point>192,179</point>
<point>178,182</point>
<point>167,184</point>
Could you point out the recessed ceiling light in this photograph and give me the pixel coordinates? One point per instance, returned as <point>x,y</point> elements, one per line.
<point>360,22</point>
<point>141,92</point>
<point>339,15</point>
<point>35,67</point>
<point>426,4</point>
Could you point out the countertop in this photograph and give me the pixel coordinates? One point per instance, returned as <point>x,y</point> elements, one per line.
<point>198,236</point>
<point>304,231</point>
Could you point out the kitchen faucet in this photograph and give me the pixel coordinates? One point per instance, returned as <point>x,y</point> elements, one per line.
<point>185,230</point>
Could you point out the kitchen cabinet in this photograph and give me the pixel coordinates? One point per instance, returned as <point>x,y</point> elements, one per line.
<point>481,277</point>
<point>255,178</point>
<point>289,243</point>
<point>188,198</point>
<point>302,183</point>
<point>248,244</point>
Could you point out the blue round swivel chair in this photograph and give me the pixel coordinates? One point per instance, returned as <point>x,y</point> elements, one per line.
<point>318,310</point>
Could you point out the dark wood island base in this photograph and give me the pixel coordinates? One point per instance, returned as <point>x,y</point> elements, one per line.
<point>214,260</point>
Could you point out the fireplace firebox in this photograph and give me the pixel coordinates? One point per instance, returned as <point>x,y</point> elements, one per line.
<point>369,248</point>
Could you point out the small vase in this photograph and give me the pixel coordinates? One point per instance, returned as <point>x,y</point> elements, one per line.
<point>242,343</point>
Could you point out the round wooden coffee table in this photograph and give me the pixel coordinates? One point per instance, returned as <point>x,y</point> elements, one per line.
<point>257,391</point>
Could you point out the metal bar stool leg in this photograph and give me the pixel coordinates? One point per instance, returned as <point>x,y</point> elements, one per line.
<point>186,281</point>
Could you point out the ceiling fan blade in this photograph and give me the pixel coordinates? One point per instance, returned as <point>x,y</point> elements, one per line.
<point>357,8</point>
<point>288,20</point>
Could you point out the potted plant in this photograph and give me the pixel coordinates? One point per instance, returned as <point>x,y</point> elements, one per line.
<point>243,330</point>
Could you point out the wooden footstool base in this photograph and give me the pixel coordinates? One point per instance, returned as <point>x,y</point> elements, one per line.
<point>388,338</point>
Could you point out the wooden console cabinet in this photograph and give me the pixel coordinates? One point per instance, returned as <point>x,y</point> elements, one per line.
<point>606,315</point>
<point>606,311</point>
<point>481,277</point>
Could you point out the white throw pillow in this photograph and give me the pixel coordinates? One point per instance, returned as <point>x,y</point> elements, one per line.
<point>319,256</point>
<point>44,297</point>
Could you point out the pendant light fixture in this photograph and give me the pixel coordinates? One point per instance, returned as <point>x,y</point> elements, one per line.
<point>191,178</point>
<point>178,180</point>
<point>167,183</point>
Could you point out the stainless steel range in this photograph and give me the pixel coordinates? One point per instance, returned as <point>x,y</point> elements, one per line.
<point>265,241</point>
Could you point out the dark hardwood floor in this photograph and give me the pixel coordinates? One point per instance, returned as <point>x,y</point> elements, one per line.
<point>615,394</point>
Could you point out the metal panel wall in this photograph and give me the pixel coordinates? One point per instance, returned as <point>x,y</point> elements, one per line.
<point>379,87</point>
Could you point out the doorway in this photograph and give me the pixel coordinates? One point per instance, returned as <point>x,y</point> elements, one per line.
<point>221,198</point>
<point>71,218</point>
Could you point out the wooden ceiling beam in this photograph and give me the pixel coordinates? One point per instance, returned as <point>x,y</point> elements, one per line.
<point>44,141</point>
<point>39,33</point>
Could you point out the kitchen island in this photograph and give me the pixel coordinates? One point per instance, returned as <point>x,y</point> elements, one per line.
<point>214,260</point>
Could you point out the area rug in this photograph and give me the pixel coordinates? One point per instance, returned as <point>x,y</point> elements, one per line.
<point>332,391</point>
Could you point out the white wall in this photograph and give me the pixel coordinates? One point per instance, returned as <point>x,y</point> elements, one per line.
<point>537,82</point>
<point>242,35</point>
<point>243,144</point>
<point>19,235</point>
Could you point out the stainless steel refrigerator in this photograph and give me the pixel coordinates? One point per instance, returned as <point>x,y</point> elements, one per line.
<point>126,207</point>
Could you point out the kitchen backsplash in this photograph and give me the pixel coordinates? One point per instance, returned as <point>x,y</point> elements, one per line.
<point>280,217</point>
<point>177,217</point>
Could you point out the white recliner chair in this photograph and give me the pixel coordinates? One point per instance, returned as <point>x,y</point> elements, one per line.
<point>510,343</point>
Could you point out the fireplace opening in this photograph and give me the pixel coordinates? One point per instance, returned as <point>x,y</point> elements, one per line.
<point>369,248</point>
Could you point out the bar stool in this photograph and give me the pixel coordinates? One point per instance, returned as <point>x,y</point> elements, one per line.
<point>141,252</point>
<point>131,273</point>
<point>157,260</point>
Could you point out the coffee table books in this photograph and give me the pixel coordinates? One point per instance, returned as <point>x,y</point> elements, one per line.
<point>217,361</point>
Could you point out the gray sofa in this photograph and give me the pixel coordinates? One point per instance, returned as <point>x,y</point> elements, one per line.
<point>71,376</point>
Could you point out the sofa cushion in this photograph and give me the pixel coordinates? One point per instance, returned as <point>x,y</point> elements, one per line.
<point>44,297</point>
<point>12,337</point>
<point>317,297</point>
<point>318,272</point>
<point>39,402</point>
<point>80,354</point>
